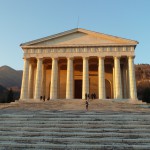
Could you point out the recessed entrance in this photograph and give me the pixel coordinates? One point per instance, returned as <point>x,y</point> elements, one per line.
<point>78,89</point>
<point>108,89</point>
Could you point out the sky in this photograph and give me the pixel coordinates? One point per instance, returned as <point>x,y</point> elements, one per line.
<point>26,20</point>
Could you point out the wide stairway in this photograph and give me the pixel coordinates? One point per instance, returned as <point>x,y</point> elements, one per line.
<point>74,130</point>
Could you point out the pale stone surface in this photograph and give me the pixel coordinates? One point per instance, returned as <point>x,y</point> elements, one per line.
<point>132,81</point>
<point>43,81</point>
<point>101,77</point>
<point>24,89</point>
<point>124,82</point>
<point>31,78</point>
<point>118,84</point>
<point>69,84</point>
<point>85,80</point>
<point>38,82</point>
<point>54,79</point>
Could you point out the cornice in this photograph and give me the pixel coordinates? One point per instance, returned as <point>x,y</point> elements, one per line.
<point>76,46</point>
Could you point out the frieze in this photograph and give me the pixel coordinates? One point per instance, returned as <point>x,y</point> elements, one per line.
<point>79,50</point>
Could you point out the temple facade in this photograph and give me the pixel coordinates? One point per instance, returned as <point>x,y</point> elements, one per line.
<point>72,63</point>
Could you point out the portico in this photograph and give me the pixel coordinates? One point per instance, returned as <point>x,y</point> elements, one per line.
<point>75,62</point>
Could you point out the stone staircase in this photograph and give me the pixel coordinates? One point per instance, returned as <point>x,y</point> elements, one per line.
<point>22,129</point>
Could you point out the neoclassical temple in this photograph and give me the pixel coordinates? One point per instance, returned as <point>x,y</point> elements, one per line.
<point>69,64</point>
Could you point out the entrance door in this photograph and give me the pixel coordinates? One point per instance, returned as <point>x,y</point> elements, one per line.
<point>78,89</point>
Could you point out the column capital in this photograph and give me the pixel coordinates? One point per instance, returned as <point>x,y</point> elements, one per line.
<point>117,57</point>
<point>70,58</point>
<point>26,59</point>
<point>55,58</point>
<point>86,58</point>
<point>101,57</point>
<point>39,59</point>
<point>131,57</point>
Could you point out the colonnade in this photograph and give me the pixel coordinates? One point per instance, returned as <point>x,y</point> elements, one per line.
<point>27,84</point>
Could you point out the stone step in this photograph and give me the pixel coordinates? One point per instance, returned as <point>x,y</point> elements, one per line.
<point>112,114</point>
<point>81,134</point>
<point>44,112</point>
<point>67,140</point>
<point>74,130</point>
<point>40,118</point>
<point>74,122</point>
<point>122,146</point>
<point>50,129</point>
<point>92,125</point>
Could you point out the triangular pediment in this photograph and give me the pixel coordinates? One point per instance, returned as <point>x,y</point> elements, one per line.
<point>79,37</point>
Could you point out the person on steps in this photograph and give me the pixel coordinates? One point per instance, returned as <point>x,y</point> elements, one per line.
<point>87,104</point>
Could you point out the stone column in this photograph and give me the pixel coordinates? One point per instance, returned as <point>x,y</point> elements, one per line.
<point>69,82</point>
<point>85,80</point>
<point>25,77</point>
<point>54,79</point>
<point>31,78</point>
<point>38,81</point>
<point>101,79</point>
<point>43,80</point>
<point>132,81</point>
<point>127,82</point>
<point>114,82</point>
<point>118,84</point>
<point>124,82</point>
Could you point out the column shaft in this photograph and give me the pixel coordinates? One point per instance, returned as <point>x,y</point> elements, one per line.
<point>132,81</point>
<point>118,84</point>
<point>25,77</point>
<point>31,78</point>
<point>38,80</point>
<point>101,79</point>
<point>43,80</point>
<point>124,82</point>
<point>54,79</point>
<point>114,83</point>
<point>85,80</point>
<point>69,82</point>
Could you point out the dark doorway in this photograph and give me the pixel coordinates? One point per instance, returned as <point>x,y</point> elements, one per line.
<point>78,89</point>
<point>108,89</point>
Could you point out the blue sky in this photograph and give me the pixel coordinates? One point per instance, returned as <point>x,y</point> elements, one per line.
<point>26,20</point>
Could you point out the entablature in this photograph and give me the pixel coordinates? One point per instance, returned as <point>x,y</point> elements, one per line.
<point>74,52</point>
<point>79,50</point>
